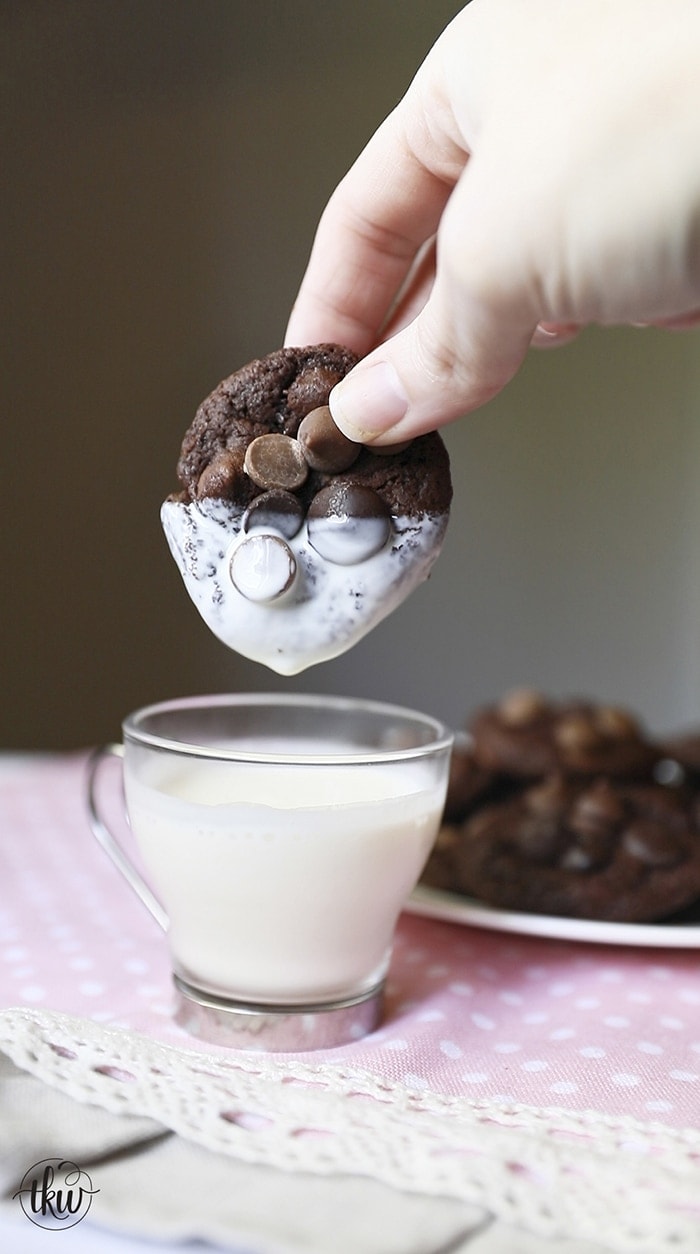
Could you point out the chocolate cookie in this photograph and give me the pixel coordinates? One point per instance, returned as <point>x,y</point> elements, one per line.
<point>527,736</point>
<point>293,541</point>
<point>597,849</point>
<point>679,759</point>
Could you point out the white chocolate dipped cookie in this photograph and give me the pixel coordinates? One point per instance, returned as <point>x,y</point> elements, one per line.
<point>293,542</point>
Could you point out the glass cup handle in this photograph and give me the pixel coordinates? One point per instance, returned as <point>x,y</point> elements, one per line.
<point>109,842</point>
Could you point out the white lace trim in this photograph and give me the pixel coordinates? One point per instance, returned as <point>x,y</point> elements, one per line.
<point>629,1184</point>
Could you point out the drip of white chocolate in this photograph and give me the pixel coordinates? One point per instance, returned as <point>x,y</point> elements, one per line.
<point>322,611</point>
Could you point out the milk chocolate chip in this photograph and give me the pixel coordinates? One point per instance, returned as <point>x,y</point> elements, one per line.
<point>325,447</point>
<point>348,523</point>
<point>276,461</point>
<point>224,476</point>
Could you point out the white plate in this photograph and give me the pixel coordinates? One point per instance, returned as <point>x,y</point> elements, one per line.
<point>436,904</point>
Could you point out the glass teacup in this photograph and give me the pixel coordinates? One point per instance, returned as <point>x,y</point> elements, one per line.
<point>282,836</point>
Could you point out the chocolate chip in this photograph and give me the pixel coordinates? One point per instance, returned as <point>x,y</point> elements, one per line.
<point>276,510</point>
<point>224,476</point>
<point>549,797</point>
<point>276,461</point>
<point>652,843</point>
<point>592,849</point>
<point>262,568</point>
<point>312,388</point>
<point>576,858</point>
<point>348,523</point>
<point>325,447</point>
<point>598,809</point>
<point>538,838</point>
<point>521,706</point>
<point>617,724</point>
<point>576,732</point>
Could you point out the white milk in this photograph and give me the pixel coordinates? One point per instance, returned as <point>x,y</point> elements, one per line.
<point>284,884</point>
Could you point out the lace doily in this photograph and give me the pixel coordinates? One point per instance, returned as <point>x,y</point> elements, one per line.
<point>635,1186</point>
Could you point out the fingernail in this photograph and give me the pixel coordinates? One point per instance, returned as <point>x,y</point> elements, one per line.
<point>368,402</point>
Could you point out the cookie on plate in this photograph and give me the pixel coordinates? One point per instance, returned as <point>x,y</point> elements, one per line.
<point>293,541</point>
<point>528,736</point>
<point>592,849</point>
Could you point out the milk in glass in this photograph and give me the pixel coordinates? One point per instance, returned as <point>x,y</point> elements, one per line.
<point>283,883</point>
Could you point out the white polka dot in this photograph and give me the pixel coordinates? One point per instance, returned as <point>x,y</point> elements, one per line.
<point>450,1049</point>
<point>60,931</point>
<point>92,988</point>
<point>690,996</point>
<point>687,1077</point>
<point>510,999</point>
<point>415,1081</point>
<point>33,992</point>
<point>562,1034</point>
<point>674,1025</point>
<point>535,972</point>
<point>461,989</point>
<point>616,1021</point>
<point>625,1080</point>
<point>488,973</point>
<point>611,976</point>
<point>592,1051</point>
<point>81,964</point>
<point>16,954</point>
<point>649,1047</point>
<point>475,1077</point>
<point>534,1064</point>
<point>564,1086</point>
<point>414,955</point>
<point>535,1016</point>
<point>136,966</point>
<point>397,1043</point>
<point>437,971</point>
<point>659,1108</point>
<point>587,1003</point>
<point>507,1047</point>
<point>431,1016</point>
<point>562,988</point>
<point>695,1047</point>
<point>483,1022</point>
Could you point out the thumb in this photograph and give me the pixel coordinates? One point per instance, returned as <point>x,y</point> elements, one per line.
<point>463,346</point>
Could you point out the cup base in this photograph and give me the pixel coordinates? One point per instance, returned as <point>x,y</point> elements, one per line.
<point>270,1029</point>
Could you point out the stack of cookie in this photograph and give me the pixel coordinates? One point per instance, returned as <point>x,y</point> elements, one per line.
<point>569,808</point>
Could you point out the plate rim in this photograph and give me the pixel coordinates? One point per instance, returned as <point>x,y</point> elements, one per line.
<point>438,903</point>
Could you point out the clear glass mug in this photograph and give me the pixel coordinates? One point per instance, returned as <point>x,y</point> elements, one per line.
<point>282,835</point>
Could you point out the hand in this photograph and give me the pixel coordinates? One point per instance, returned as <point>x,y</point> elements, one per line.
<point>542,172</point>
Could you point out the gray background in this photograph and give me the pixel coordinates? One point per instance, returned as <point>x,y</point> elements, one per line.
<point>166,163</point>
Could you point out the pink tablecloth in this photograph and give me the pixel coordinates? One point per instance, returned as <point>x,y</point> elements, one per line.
<point>470,1013</point>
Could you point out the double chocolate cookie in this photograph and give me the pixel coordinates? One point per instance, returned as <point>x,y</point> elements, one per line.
<point>292,540</point>
<point>569,808</point>
<point>598,849</point>
<point>527,736</point>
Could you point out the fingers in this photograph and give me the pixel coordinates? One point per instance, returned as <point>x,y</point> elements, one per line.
<point>466,340</point>
<point>376,222</point>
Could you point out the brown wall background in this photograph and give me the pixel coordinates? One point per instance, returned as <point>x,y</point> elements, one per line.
<point>165,163</point>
